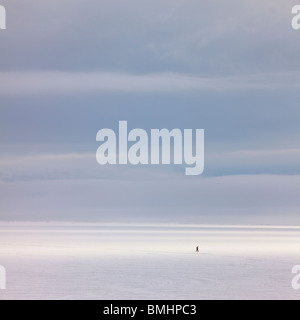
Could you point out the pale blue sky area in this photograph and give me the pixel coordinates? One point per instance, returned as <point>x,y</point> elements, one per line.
<point>70,68</point>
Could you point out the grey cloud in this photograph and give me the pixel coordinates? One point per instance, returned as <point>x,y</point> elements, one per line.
<point>51,82</point>
<point>230,200</point>
<point>201,37</point>
<point>237,120</point>
<point>83,166</point>
<point>254,162</point>
<point>69,68</point>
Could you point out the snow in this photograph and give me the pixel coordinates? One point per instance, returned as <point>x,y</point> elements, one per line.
<point>94,261</point>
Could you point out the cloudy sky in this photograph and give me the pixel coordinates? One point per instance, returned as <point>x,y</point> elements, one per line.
<point>69,68</point>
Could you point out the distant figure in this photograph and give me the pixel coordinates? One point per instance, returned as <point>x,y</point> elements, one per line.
<point>197,249</point>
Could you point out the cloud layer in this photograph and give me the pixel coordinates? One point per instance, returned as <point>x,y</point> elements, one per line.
<point>69,68</point>
<point>51,82</point>
<point>229,200</point>
<point>193,37</point>
<point>83,166</point>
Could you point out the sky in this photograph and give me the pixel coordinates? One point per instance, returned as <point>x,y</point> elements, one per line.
<point>70,68</point>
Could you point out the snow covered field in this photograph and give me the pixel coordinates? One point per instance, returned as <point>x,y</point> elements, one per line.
<point>94,261</point>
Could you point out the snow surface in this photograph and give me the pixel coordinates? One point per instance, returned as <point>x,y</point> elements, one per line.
<point>94,261</point>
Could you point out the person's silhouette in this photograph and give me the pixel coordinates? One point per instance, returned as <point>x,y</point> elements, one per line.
<point>197,249</point>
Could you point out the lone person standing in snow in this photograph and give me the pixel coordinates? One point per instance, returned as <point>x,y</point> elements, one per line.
<point>197,249</point>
